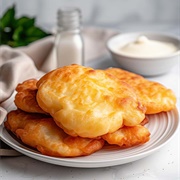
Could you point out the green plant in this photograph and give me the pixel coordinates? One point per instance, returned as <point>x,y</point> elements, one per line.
<point>19,31</point>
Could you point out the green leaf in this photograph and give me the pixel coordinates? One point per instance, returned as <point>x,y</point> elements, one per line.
<point>8,18</point>
<point>35,32</point>
<point>4,37</point>
<point>26,22</point>
<point>16,43</point>
<point>18,33</point>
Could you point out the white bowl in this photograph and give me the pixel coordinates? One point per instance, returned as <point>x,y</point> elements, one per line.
<point>146,66</point>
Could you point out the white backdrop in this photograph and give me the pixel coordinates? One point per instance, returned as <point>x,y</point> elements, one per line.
<point>127,15</point>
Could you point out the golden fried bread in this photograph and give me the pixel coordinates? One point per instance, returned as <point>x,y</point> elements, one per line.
<point>145,121</point>
<point>88,103</point>
<point>154,96</point>
<point>42,133</point>
<point>128,136</point>
<point>25,98</point>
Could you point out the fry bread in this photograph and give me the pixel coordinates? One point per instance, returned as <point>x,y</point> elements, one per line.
<point>41,132</point>
<point>88,103</point>
<point>153,95</point>
<point>25,98</point>
<point>128,136</point>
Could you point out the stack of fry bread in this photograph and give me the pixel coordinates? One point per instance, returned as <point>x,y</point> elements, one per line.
<point>76,110</point>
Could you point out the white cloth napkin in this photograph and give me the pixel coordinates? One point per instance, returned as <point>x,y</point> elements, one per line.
<point>32,61</point>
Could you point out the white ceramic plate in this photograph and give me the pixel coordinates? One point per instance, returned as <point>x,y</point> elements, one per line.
<point>162,127</point>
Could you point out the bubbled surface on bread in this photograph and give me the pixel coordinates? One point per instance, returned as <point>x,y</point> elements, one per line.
<point>25,98</point>
<point>87,102</point>
<point>153,95</point>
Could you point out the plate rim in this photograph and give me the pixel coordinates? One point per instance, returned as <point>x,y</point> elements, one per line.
<point>81,163</point>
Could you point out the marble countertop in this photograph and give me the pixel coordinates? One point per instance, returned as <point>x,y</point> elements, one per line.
<point>162,165</point>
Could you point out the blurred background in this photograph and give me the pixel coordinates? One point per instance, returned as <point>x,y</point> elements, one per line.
<point>126,16</point>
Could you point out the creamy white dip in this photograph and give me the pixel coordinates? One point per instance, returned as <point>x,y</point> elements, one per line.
<point>144,47</point>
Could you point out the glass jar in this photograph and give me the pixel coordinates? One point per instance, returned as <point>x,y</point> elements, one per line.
<point>69,41</point>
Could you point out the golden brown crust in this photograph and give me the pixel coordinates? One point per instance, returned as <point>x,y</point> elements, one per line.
<point>145,121</point>
<point>87,107</point>
<point>128,136</point>
<point>25,98</point>
<point>153,95</point>
<point>41,132</point>
<point>78,96</point>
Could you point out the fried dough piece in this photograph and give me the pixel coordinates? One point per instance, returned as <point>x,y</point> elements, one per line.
<point>25,98</point>
<point>42,133</point>
<point>153,95</point>
<point>144,122</point>
<point>128,136</point>
<point>88,103</point>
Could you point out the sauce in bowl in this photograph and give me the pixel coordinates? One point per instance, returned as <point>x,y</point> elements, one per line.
<point>144,47</point>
